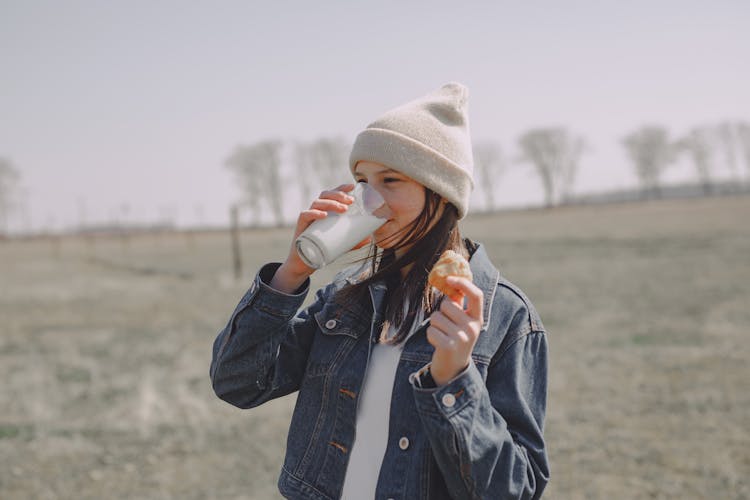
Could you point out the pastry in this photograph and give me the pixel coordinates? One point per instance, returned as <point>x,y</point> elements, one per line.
<point>450,263</point>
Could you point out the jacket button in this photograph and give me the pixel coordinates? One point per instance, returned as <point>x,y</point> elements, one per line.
<point>403,443</point>
<point>449,400</point>
<point>330,324</point>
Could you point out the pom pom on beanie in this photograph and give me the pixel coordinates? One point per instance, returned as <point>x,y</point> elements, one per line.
<point>426,139</point>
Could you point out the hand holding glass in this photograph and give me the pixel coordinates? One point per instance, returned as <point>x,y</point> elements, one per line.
<point>327,239</point>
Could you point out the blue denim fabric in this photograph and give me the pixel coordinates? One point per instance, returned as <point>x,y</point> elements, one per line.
<point>479,436</point>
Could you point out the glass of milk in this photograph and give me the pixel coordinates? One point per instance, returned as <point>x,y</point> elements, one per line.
<point>327,239</point>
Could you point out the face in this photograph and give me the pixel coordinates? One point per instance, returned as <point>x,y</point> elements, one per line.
<point>404,199</point>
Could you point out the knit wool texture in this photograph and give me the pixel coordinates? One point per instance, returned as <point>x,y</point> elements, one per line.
<point>426,139</point>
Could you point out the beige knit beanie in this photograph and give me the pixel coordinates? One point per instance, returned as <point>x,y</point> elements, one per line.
<point>426,139</point>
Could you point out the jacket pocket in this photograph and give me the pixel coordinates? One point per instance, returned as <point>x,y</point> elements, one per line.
<point>335,320</point>
<point>338,330</point>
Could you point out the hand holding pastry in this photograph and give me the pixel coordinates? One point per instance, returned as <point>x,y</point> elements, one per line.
<point>453,330</point>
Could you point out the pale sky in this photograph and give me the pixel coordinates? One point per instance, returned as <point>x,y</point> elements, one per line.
<point>139,103</point>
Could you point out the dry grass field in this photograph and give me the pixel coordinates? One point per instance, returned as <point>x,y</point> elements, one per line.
<point>105,345</point>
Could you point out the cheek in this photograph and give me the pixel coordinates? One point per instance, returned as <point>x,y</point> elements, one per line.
<point>414,205</point>
<point>406,205</point>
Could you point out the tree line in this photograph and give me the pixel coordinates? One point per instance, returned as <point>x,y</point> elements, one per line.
<point>274,174</point>
<point>554,153</point>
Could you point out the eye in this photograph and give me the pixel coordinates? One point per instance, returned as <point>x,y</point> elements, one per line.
<point>389,180</point>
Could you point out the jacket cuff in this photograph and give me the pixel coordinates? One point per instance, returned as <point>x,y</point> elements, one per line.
<point>270,300</point>
<point>422,379</point>
<point>449,399</point>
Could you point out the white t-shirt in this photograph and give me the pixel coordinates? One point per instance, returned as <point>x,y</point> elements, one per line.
<point>373,416</point>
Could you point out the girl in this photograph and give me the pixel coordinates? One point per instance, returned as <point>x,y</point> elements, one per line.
<point>402,394</point>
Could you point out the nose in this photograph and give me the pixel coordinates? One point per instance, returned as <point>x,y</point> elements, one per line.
<point>376,197</point>
<point>384,212</point>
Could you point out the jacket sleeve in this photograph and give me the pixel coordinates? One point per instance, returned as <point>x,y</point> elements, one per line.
<point>262,352</point>
<point>487,437</point>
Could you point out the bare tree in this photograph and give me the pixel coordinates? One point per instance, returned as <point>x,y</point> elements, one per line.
<point>257,168</point>
<point>700,144</point>
<point>306,179</point>
<point>555,153</point>
<point>651,152</point>
<point>726,133</point>
<point>322,164</point>
<point>9,177</point>
<point>489,164</point>
<point>743,138</point>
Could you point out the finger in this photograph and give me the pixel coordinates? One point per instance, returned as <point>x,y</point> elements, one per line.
<point>454,311</point>
<point>339,193</point>
<point>463,326</point>
<point>448,328</point>
<point>457,298</point>
<point>312,214</point>
<point>439,340</point>
<point>440,321</point>
<point>329,205</point>
<point>307,217</point>
<point>338,196</point>
<point>474,305</point>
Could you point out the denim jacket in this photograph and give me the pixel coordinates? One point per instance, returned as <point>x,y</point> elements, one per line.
<point>478,436</point>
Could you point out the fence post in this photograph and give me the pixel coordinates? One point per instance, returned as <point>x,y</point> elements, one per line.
<point>234,233</point>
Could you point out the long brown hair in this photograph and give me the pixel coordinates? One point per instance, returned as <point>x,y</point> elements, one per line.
<point>424,246</point>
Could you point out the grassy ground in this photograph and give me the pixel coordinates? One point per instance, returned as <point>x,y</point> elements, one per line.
<point>105,346</point>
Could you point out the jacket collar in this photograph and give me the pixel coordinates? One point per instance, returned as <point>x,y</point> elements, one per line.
<point>485,277</point>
